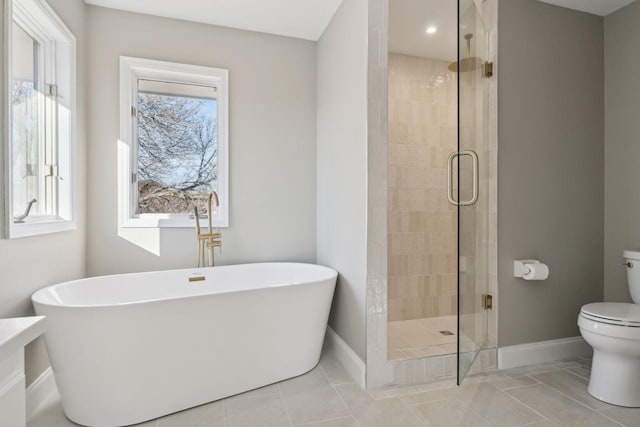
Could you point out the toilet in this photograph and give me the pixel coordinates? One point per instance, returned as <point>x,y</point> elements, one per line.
<point>613,330</point>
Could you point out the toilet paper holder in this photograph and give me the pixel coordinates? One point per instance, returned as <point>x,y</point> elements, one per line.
<point>520,267</point>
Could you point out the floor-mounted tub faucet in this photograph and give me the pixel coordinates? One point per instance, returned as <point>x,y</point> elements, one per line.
<point>210,240</point>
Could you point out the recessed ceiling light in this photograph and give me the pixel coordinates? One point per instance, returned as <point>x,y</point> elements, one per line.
<point>431,30</point>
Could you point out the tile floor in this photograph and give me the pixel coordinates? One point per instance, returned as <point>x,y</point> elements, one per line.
<point>412,339</point>
<point>553,394</point>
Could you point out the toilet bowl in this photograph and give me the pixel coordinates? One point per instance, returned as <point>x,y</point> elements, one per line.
<point>613,330</point>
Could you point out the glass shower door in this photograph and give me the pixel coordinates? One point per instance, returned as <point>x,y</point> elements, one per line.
<point>470,182</point>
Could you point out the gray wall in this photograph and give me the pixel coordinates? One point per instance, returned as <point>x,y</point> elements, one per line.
<point>29,264</point>
<point>622,146</point>
<point>272,142</point>
<point>342,166</point>
<point>551,167</point>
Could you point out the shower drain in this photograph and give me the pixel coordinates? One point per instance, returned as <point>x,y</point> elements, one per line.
<point>448,333</point>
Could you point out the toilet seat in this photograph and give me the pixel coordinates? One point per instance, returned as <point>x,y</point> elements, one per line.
<point>613,313</point>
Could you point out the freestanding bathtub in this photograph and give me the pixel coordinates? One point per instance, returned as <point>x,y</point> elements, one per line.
<point>129,348</point>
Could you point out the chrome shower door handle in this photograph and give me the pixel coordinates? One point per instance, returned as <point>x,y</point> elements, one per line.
<point>475,161</point>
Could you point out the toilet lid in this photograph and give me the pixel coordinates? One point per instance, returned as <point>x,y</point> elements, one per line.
<point>631,255</point>
<point>617,313</point>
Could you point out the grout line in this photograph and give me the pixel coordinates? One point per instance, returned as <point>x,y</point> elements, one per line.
<point>519,387</point>
<point>533,423</point>
<point>611,406</point>
<point>583,377</point>
<point>571,397</point>
<point>537,381</point>
<point>572,374</point>
<point>320,421</point>
<point>286,409</point>
<point>412,410</point>
<point>224,412</point>
<point>284,403</point>
<point>333,386</point>
<point>544,417</point>
<point>598,411</point>
<point>337,382</point>
<point>410,405</point>
<point>612,420</point>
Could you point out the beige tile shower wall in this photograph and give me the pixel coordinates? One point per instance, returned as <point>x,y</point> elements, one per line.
<point>422,224</point>
<point>380,371</point>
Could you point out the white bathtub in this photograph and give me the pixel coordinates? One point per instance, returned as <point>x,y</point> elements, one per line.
<point>129,348</point>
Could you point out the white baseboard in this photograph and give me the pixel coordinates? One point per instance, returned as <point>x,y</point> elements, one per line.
<point>41,390</point>
<point>346,356</point>
<point>541,352</point>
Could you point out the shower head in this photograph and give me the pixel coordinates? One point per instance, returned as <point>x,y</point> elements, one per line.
<point>465,65</point>
<point>469,63</point>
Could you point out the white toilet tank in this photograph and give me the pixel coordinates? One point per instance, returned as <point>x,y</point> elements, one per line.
<point>633,274</point>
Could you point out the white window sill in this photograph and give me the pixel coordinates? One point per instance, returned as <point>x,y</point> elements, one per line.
<point>168,221</point>
<point>37,226</point>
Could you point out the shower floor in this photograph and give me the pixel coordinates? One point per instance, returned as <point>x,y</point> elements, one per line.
<point>410,339</point>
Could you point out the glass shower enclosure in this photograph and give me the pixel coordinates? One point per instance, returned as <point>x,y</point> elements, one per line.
<point>470,180</point>
<point>441,182</point>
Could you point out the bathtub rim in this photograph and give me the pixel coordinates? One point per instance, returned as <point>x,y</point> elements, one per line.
<point>331,274</point>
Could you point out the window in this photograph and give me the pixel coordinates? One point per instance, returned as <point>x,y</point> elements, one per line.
<point>173,146</point>
<point>40,117</point>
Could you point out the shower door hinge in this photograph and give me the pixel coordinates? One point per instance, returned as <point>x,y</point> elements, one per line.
<point>487,301</point>
<point>134,112</point>
<point>488,69</point>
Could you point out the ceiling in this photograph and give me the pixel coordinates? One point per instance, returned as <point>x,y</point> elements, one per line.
<point>596,7</point>
<point>409,20</point>
<point>307,19</point>
<point>408,23</point>
<point>304,19</point>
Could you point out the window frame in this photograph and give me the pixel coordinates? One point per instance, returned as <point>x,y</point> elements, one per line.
<point>58,46</point>
<point>134,69</point>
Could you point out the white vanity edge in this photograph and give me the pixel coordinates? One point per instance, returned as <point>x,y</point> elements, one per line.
<point>17,332</point>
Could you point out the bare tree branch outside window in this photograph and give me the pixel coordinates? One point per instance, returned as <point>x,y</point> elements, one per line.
<point>177,152</point>
<point>25,144</point>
